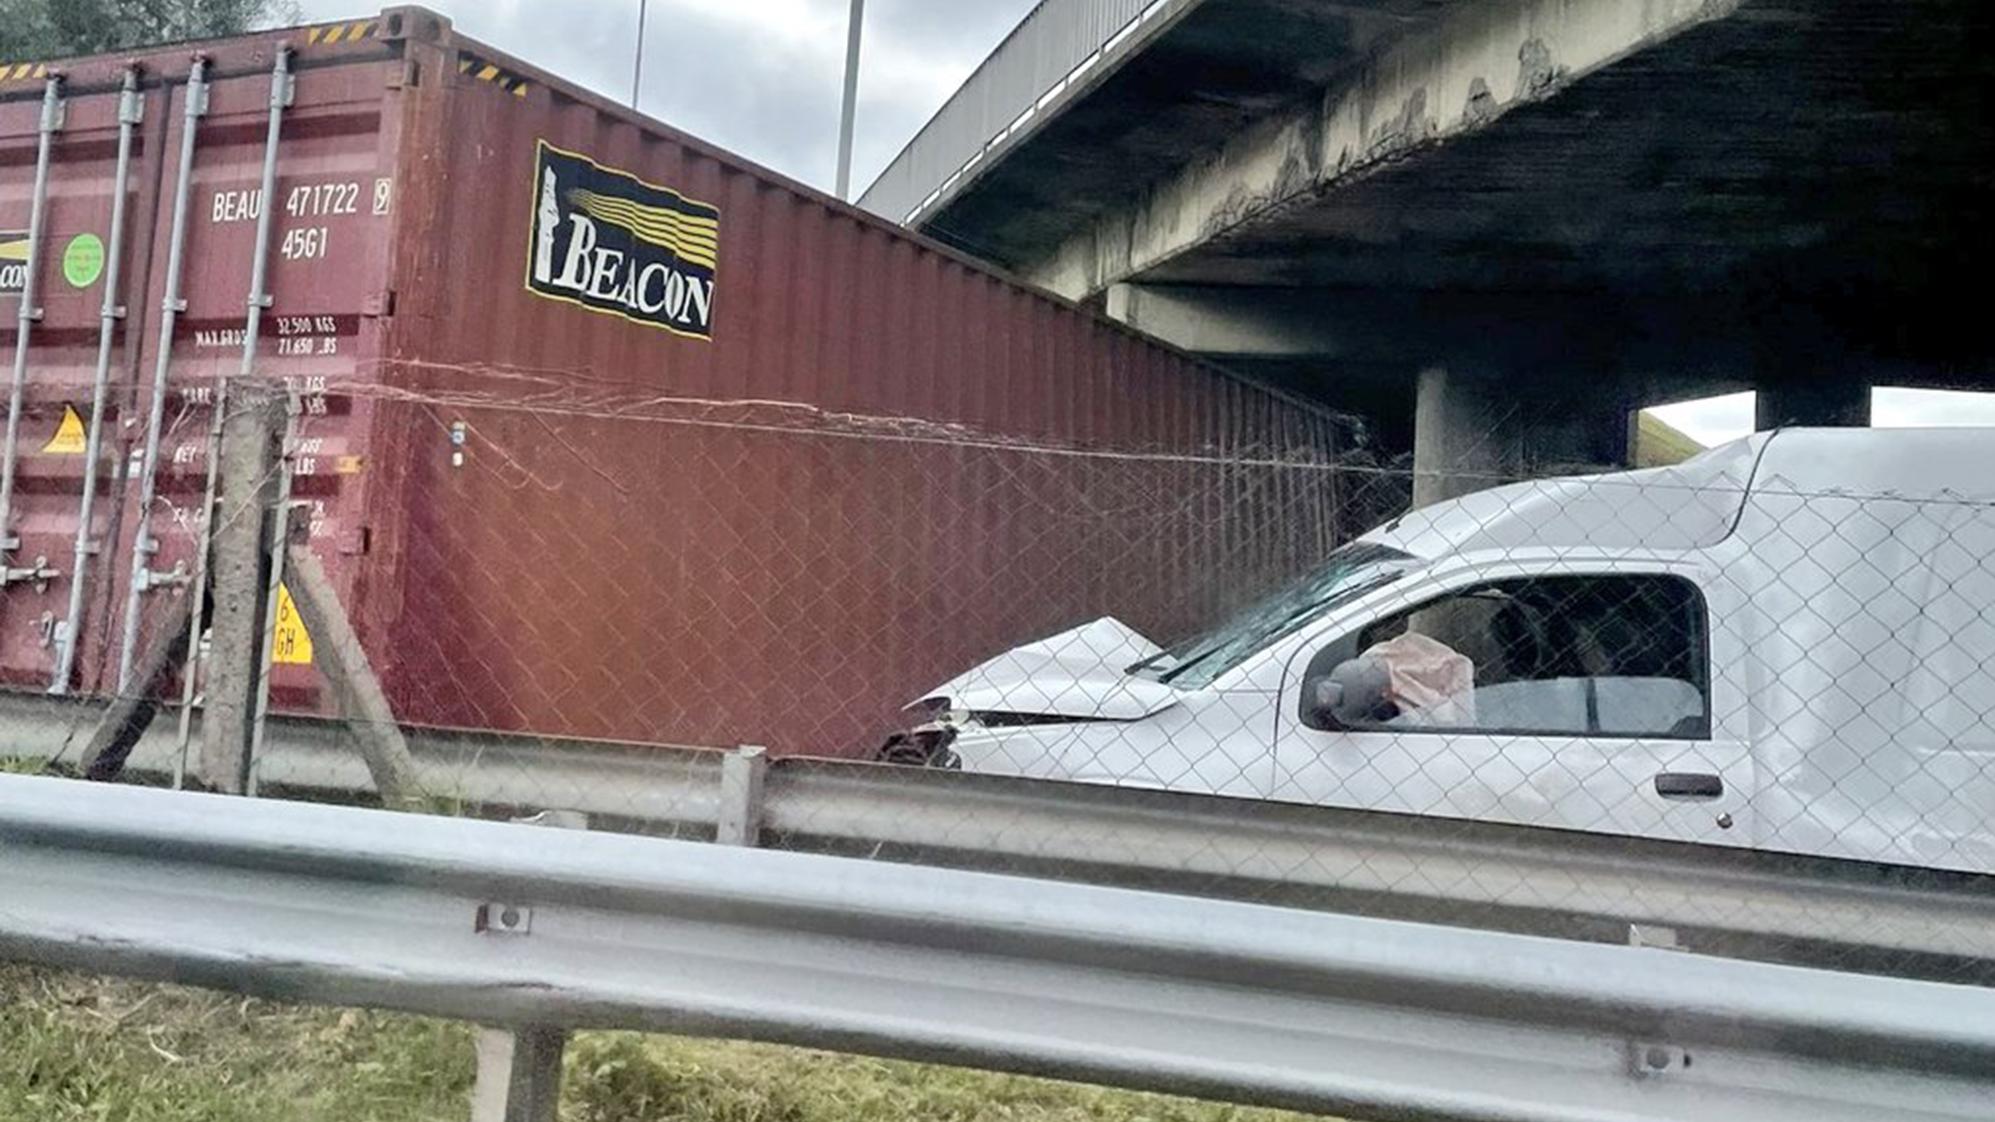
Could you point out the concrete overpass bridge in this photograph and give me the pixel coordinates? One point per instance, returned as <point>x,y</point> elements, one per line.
<point>1496,227</point>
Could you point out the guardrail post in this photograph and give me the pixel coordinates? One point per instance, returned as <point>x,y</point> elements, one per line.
<point>519,1068</point>
<point>741,775</point>
<point>519,1074</point>
<point>248,464</point>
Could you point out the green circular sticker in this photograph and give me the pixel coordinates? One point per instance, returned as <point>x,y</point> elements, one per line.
<point>83,260</point>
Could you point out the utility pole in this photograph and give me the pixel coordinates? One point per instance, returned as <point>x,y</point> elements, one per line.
<point>637,64</point>
<point>854,28</point>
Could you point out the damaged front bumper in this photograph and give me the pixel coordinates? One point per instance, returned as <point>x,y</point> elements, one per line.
<point>927,745</point>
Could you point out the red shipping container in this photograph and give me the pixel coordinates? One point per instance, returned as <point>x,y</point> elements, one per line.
<point>604,432</point>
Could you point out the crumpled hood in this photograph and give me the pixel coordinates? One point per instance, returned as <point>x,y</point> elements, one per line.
<point>1077,673</point>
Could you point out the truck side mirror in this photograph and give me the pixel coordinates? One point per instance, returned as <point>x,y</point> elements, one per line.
<point>1350,695</point>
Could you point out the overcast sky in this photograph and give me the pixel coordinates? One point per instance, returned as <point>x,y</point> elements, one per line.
<point>758,77</point>
<point>1715,420</point>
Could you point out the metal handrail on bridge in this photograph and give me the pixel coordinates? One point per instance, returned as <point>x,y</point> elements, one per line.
<point>1056,52</point>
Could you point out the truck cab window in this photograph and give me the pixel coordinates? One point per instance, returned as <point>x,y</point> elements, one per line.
<point>1610,655</point>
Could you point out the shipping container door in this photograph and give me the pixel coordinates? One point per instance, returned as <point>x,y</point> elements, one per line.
<point>74,386</point>
<point>325,296</point>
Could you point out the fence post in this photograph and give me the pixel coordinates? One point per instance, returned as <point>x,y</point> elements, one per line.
<point>362,703</point>
<point>248,465</point>
<point>741,775</point>
<point>519,1069</point>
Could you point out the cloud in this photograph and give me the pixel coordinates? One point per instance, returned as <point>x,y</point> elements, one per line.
<point>758,77</point>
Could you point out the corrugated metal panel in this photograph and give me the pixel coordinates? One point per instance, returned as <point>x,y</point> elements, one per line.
<point>886,461</point>
<point>816,580</point>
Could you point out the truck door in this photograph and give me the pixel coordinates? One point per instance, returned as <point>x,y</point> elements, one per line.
<point>1581,700</point>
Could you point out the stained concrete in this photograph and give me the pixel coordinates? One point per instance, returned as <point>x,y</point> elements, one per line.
<point>1604,201</point>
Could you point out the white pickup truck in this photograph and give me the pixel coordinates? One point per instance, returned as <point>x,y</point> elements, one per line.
<point>1785,643</point>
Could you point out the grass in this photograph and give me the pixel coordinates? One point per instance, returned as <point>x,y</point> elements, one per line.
<point>77,1049</point>
<point>74,1049</point>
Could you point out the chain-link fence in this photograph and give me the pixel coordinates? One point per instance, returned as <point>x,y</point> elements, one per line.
<point>1255,670</point>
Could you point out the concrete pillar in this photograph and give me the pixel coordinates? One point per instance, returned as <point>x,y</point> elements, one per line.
<point>247,466</point>
<point>1822,402</point>
<point>742,775</point>
<point>1472,432</point>
<point>1455,449</point>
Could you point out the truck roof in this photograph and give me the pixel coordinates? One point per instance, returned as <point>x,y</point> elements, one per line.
<point>1699,503</point>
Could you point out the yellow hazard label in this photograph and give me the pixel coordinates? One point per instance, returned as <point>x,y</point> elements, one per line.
<point>69,438</point>
<point>291,644</point>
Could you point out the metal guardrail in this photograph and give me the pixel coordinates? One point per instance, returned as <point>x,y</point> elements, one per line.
<point>1850,915</point>
<point>1056,52</point>
<point>636,786</point>
<point>510,924</point>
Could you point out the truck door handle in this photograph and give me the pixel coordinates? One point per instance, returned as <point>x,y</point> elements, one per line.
<point>1689,785</point>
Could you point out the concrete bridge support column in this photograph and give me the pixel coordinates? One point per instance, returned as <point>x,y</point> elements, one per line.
<point>1474,431</point>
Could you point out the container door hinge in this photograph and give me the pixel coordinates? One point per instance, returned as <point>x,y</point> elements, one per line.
<point>380,304</point>
<point>38,574</point>
<point>152,580</point>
